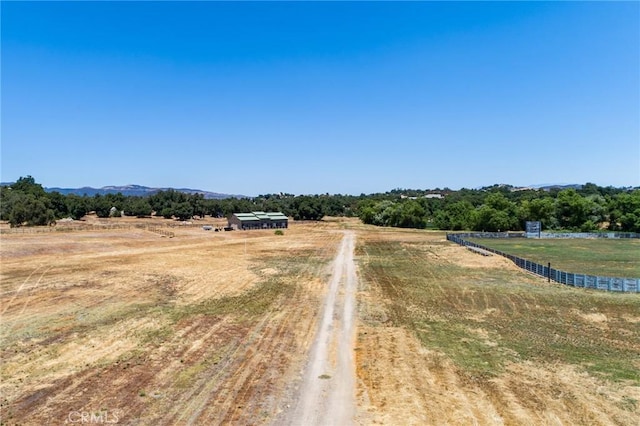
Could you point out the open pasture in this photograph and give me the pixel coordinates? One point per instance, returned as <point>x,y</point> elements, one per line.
<point>202,328</point>
<point>216,328</point>
<point>472,339</point>
<point>592,256</point>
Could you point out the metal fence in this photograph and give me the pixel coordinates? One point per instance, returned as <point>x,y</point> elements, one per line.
<point>630,285</point>
<point>614,235</point>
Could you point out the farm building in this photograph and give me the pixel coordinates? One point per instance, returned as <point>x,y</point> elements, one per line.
<point>258,220</point>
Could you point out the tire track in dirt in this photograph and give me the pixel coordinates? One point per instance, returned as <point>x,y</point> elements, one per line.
<point>7,305</point>
<point>327,392</point>
<point>32,289</point>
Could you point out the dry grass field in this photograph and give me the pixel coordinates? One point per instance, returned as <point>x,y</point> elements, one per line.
<point>451,337</point>
<point>203,328</point>
<point>131,326</point>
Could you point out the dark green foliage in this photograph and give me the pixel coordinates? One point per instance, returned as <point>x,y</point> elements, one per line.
<point>183,211</point>
<point>455,216</point>
<point>101,206</point>
<point>540,209</point>
<point>499,209</point>
<point>402,214</point>
<point>137,206</point>
<point>58,203</point>
<point>28,185</point>
<point>625,212</point>
<point>172,203</point>
<point>77,206</point>
<point>493,208</point>
<point>496,214</point>
<point>25,203</point>
<point>572,209</point>
<point>308,208</point>
<point>29,210</point>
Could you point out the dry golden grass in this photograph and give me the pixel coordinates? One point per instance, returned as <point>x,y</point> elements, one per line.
<point>452,337</point>
<point>205,327</point>
<point>214,328</point>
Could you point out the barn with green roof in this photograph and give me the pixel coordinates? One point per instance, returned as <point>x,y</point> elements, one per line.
<point>258,220</point>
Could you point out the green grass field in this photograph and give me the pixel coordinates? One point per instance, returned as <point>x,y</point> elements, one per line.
<point>604,257</point>
<point>485,318</point>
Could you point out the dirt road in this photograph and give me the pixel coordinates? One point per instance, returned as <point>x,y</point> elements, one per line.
<point>256,328</point>
<point>195,329</point>
<point>327,393</point>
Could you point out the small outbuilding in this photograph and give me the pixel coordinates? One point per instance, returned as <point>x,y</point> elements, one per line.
<point>258,220</point>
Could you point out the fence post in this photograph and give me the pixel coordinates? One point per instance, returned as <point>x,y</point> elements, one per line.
<point>549,272</point>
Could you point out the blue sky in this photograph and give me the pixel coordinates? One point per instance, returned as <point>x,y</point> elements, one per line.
<point>305,98</point>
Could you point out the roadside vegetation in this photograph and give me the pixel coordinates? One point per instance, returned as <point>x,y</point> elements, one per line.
<point>493,208</point>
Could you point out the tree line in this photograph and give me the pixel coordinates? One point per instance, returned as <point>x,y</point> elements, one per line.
<point>503,208</point>
<point>26,203</point>
<point>494,208</point>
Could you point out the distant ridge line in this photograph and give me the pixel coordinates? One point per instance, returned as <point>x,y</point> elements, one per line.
<point>138,190</point>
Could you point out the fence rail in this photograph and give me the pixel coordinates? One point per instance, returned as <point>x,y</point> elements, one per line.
<point>63,228</point>
<point>86,227</point>
<point>629,285</point>
<point>614,235</point>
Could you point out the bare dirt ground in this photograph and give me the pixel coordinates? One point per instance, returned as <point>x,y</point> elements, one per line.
<point>129,326</point>
<point>327,391</point>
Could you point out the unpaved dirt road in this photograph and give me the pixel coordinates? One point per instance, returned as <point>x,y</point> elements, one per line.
<point>200,329</point>
<point>327,393</point>
<point>113,319</point>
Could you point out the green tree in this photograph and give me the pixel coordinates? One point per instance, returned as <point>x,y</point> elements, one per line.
<point>101,206</point>
<point>183,211</point>
<point>307,208</point>
<point>412,215</point>
<point>28,185</point>
<point>137,206</point>
<point>486,218</point>
<point>26,203</point>
<point>367,213</point>
<point>7,200</point>
<point>58,203</point>
<point>197,205</point>
<point>29,210</point>
<point>456,216</point>
<point>572,210</point>
<point>624,212</point>
<point>542,210</point>
<point>77,206</point>
<point>115,200</point>
<point>496,214</point>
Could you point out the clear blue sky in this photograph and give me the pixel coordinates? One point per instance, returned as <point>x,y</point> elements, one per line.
<point>307,98</point>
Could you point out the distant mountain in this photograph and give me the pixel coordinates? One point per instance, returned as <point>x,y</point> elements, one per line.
<point>138,190</point>
<point>550,186</point>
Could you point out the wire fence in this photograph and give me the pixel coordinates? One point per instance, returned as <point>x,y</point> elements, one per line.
<point>73,226</point>
<point>63,228</point>
<point>613,235</point>
<point>86,227</point>
<point>629,285</point>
